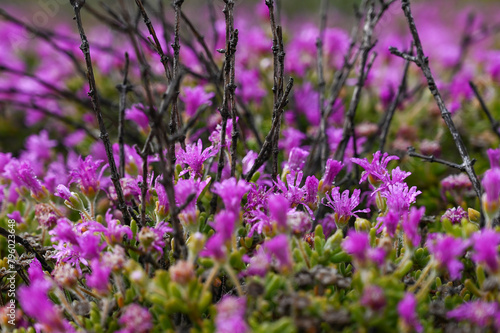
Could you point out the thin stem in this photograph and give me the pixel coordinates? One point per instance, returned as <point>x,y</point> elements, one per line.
<point>234,279</point>
<point>123,89</point>
<point>115,177</point>
<point>212,275</point>
<point>423,62</point>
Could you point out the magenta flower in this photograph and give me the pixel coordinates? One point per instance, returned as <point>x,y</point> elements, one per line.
<point>445,250</point>
<point>332,169</point>
<point>298,222</point>
<point>278,208</point>
<point>280,249</point>
<point>224,224</point>
<point>215,248</point>
<point>26,177</point>
<point>136,114</point>
<point>291,189</point>
<point>136,319</point>
<point>16,215</point>
<point>456,185</point>
<point>62,192</point>
<point>491,184</point>
<point>455,215</point>
<point>99,279</point>
<point>486,249</point>
<point>130,188</point>
<point>151,239</point>
<point>311,195</point>
<point>231,315</point>
<point>35,302</point>
<point>343,205</point>
<point>162,195</point>
<point>389,222</point>
<point>231,192</point>
<point>258,264</point>
<point>480,313</point>
<point>407,312</point>
<point>195,97</point>
<point>297,159</point>
<point>376,171</point>
<point>38,147</point>
<point>410,225</point>
<point>292,138</point>
<point>374,298</point>
<point>194,156</point>
<point>494,157</point>
<point>357,245</point>
<point>400,197</point>
<point>85,175</point>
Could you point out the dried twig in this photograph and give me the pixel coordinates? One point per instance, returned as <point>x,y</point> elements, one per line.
<point>115,177</point>
<point>4,232</point>
<point>123,89</point>
<point>495,125</point>
<point>423,62</point>
<point>432,159</point>
<point>398,98</point>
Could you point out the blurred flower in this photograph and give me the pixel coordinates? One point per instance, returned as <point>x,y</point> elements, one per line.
<point>407,312</point>
<point>410,225</point>
<point>136,319</point>
<point>480,313</point>
<point>99,279</point>
<point>194,97</point>
<point>486,249</point>
<point>231,315</point>
<point>232,191</point>
<point>445,250</point>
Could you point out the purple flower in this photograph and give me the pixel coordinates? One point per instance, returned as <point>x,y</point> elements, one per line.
<point>491,184</point>
<point>479,313</point>
<point>357,245</point>
<point>62,192</point>
<point>39,147</point>
<point>311,195</point>
<point>136,114</point>
<point>332,169</point>
<point>258,264</point>
<point>45,215</point>
<point>445,250</point>
<point>224,224</point>
<point>215,248</point>
<point>163,203</point>
<point>297,159</point>
<point>455,215</point>
<point>291,138</point>
<point>486,249</point>
<point>279,248</point>
<point>494,157</point>
<point>195,97</point>
<point>99,279</point>
<point>298,222</point>
<point>152,238</point>
<point>278,208</point>
<point>231,315</point>
<point>35,301</point>
<point>231,192</point>
<point>410,225</point>
<point>376,171</point>
<point>16,215</point>
<point>456,185</point>
<point>491,195</point>
<point>194,156</point>
<point>26,177</point>
<point>373,298</point>
<point>85,175</point>
<point>400,197</point>
<point>136,319</point>
<point>407,312</point>
<point>343,205</point>
<point>389,222</point>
